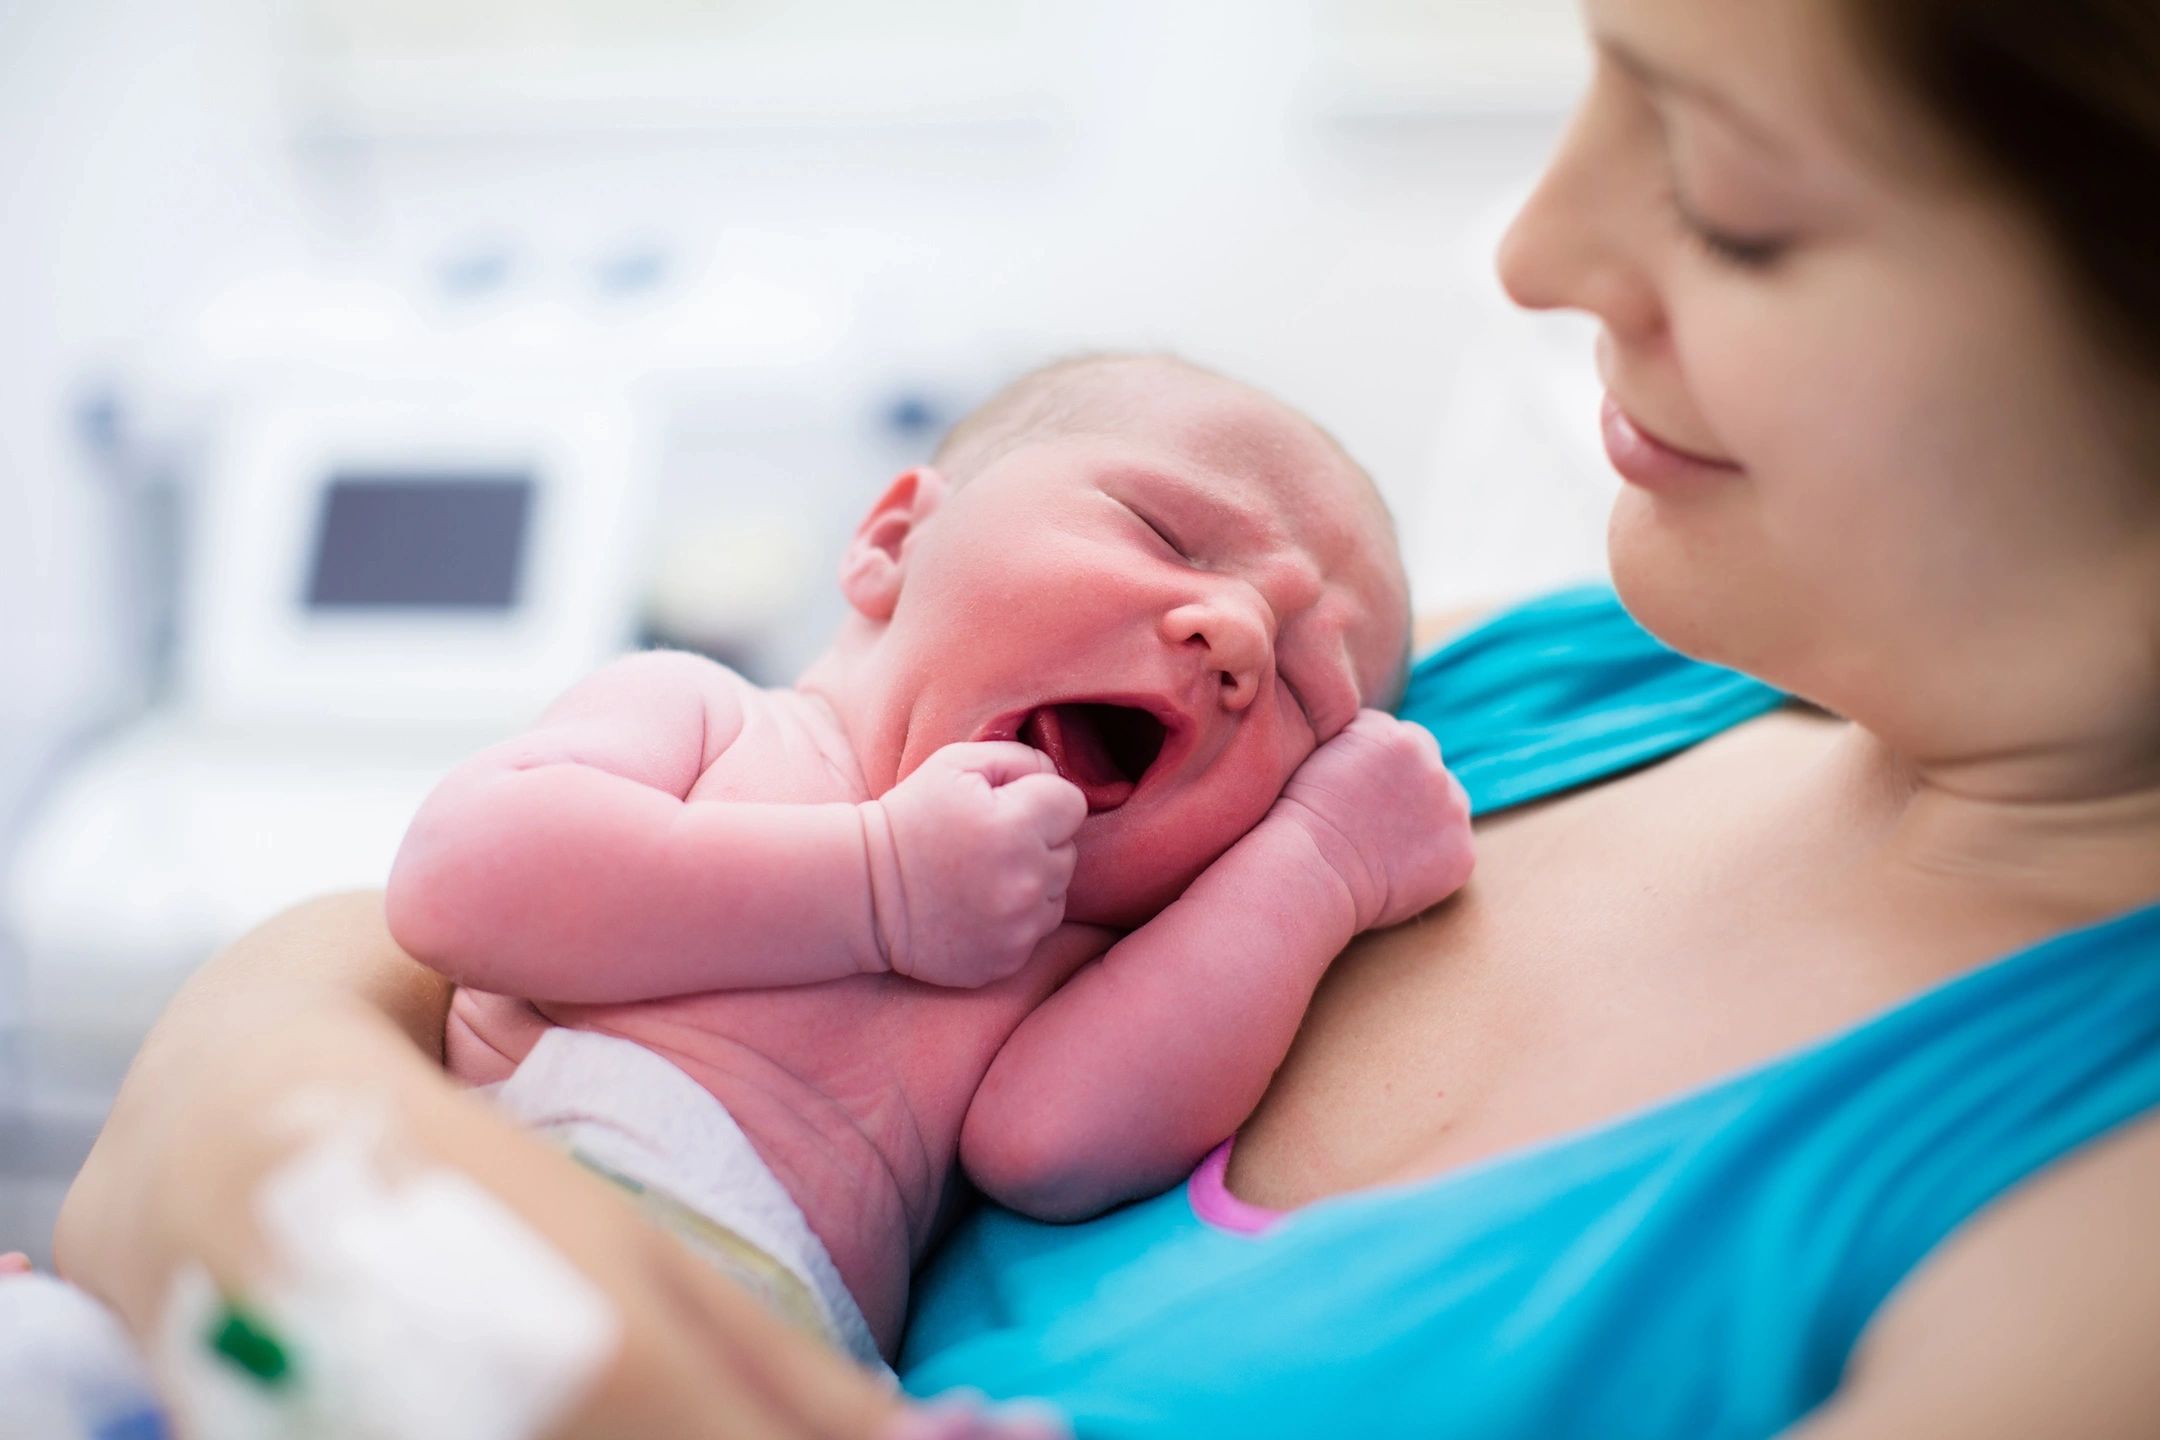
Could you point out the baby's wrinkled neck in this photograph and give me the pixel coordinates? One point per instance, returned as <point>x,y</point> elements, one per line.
<point>836,690</point>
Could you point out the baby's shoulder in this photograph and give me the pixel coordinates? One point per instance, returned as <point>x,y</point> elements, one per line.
<point>753,743</point>
<point>675,670</point>
<point>781,746</point>
<point>655,702</point>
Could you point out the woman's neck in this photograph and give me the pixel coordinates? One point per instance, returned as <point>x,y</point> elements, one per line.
<point>2075,833</point>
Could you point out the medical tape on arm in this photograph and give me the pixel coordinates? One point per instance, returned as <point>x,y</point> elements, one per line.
<point>418,1305</point>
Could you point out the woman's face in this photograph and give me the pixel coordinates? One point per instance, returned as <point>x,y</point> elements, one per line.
<point>1896,476</point>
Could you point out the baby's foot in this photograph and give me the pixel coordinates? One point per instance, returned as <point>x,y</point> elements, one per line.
<point>14,1262</point>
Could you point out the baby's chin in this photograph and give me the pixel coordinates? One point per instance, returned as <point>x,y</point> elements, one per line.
<point>1119,889</point>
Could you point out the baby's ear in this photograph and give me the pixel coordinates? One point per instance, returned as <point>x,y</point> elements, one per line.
<point>870,572</point>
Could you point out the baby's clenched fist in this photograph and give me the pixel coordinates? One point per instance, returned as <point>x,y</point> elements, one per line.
<point>1388,816</point>
<point>970,858</point>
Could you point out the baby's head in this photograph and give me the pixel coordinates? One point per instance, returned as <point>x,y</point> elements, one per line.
<point>1172,584</point>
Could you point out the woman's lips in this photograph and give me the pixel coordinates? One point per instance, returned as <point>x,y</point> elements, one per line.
<point>1643,459</point>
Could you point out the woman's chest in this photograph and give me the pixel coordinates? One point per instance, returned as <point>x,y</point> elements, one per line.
<point>1609,954</point>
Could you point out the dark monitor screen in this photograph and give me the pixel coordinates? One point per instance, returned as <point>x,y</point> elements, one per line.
<point>414,540</point>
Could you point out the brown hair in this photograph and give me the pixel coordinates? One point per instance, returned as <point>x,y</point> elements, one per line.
<point>2059,101</point>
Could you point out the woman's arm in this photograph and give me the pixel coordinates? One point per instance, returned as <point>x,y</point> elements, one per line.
<point>322,982</point>
<point>2038,1318</point>
<point>321,999</point>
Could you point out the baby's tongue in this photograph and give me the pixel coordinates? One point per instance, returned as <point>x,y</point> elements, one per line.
<point>1075,745</point>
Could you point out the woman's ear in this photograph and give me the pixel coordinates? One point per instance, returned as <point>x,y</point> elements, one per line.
<point>871,571</point>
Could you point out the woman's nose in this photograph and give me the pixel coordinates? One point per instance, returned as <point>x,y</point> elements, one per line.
<point>1574,243</point>
<point>1234,638</point>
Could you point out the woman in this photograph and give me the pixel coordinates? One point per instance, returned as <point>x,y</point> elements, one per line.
<point>1802,1081</point>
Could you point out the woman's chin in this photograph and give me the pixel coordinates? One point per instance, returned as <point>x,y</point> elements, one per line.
<point>1678,582</point>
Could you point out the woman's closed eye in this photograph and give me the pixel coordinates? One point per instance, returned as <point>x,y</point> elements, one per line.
<point>1745,252</point>
<point>1736,246</point>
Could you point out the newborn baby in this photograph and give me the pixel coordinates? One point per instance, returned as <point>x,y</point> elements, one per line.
<point>1032,872</point>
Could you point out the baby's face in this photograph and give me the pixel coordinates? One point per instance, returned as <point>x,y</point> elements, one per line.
<point>1177,614</point>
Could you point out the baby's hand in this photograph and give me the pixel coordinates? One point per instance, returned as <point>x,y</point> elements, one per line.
<point>1386,813</point>
<point>981,851</point>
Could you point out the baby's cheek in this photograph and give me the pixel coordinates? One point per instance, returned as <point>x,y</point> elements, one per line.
<point>1127,875</point>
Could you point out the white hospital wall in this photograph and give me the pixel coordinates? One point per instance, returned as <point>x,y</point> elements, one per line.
<point>140,176</point>
<point>143,171</point>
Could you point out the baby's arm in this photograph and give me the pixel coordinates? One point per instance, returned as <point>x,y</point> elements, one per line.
<point>1119,1083</point>
<point>565,864</point>
<point>568,864</point>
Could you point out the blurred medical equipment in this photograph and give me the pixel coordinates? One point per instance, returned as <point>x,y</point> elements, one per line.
<point>67,1371</point>
<point>373,585</point>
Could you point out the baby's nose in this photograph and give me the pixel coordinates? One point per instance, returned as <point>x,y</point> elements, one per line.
<point>1232,639</point>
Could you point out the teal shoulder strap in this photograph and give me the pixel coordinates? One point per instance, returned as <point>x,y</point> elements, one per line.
<point>1564,691</point>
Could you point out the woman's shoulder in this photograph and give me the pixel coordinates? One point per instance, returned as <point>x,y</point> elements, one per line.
<point>2035,1317</point>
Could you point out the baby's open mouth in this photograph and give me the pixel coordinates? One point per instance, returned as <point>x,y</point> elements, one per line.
<point>1103,749</point>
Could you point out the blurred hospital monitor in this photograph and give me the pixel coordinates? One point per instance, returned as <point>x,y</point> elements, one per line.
<point>410,560</point>
<point>421,542</point>
<point>375,585</point>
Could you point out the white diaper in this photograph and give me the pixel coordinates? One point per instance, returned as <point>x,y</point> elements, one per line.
<point>644,1124</point>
